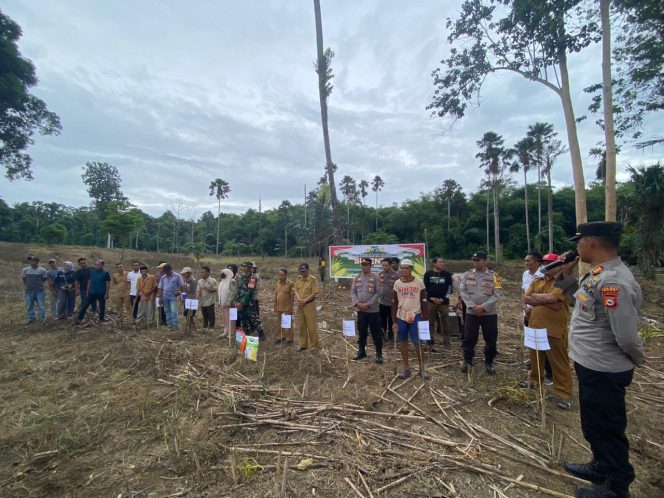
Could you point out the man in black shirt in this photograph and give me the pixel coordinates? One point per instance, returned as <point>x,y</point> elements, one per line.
<point>81,280</point>
<point>438,283</point>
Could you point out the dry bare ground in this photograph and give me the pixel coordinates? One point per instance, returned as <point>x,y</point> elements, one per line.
<point>105,410</point>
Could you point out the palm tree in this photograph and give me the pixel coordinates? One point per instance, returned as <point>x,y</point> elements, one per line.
<point>552,150</point>
<point>600,172</point>
<point>450,189</point>
<point>494,160</point>
<point>324,70</point>
<point>647,205</point>
<point>524,149</point>
<point>541,133</point>
<point>377,184</point>
<point>220,189</point>
<point>349,190</point>
<point>363,186</point>
<point>284,209</point>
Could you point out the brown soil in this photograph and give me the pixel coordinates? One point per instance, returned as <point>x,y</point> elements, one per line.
<point>105,410</point>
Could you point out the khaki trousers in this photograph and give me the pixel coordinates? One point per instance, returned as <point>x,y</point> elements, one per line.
<point>559,359</point>
<point>289,333</point>
<point>122,304</point>
<point>308,326</point>
<point>439,319</point>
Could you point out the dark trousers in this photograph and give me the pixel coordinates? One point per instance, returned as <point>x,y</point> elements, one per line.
<point>489,324</point>
<point>162,316</point>
<point>386,320</point>
<point>604,420</point>
<point>370,321</point>
<point>208,316</point>
<point>92,300</point>
<point>84,299</point>
<point>134,306</point>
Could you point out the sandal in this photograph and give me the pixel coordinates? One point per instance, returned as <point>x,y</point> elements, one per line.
<point>405,374</point>
<point>525,384</point>
<point>565,404</point>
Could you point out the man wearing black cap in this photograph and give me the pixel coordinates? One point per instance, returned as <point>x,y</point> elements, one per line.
<point>480,290</point>
<point>247,318</point>
<point>306,290</point>
<point>605,346</point>
<point>365,292</point>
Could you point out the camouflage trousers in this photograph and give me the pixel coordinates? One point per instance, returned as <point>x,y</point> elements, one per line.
<point>247,320</point>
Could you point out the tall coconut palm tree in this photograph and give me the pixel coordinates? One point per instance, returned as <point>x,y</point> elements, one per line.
<point>524,154</point>
<point>553,149</point>
<point>220,189</point>
<point>377,184</point>
<point>540,133</point>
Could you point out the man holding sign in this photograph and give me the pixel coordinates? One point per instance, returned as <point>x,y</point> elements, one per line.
<point>284,295</point>
<point>247,318</point>
<point>549,309</point>
<point>365,292</point>
<point>407,311</point>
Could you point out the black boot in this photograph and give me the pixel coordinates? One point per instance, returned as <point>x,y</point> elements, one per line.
<point>590,471</point>
<point>379,355</point>
<point>604,490</point>
<point>360,354</point>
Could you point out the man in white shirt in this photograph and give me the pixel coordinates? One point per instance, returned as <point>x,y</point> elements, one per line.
<point>133,277</point>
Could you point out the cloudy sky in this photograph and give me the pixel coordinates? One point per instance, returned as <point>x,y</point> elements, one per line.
<point>175,94</point>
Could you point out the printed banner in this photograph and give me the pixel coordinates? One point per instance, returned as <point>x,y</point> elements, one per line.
<point>345,260</point>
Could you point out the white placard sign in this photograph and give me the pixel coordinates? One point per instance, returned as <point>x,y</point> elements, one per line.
<point>157,302</point>
<point>191,304</point>
<point>232,314</point>
<point>349,328</point>
<point>286,321</point>
<point>423,330</point>
<point>536,339</point>
<point>452,313</point>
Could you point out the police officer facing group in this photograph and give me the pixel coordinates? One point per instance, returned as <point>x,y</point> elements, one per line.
<point>365,293</point>
<point>605,346</point>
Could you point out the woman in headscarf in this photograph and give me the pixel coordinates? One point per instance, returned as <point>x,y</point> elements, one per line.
<point>64,285</point>
<point>226,293</point>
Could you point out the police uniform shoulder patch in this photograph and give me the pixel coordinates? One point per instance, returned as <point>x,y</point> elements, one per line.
<point>597,270</point>
<point>496,281</point>
<point>610,296</point>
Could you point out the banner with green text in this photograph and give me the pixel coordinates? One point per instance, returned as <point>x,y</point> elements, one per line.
<point>345,260</point>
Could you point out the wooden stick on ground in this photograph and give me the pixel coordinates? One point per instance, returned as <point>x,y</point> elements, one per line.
<point>366,486</point>
<point>357,491</point>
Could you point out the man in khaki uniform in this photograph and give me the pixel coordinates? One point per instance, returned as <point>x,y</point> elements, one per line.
<point>283,304</point>
<point>146,291</point>
<point>121,288</point>
<point>306,290</point>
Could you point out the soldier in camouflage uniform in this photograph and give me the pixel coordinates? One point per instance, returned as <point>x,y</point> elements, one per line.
<point>247,318</point>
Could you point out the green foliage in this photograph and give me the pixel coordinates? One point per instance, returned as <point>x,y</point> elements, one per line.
<point>20,112</point>
<point>104,187</point>
<point>54,233</point>
<point>121,225</point>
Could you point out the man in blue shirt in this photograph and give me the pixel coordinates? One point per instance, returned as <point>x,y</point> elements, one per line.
<point>98,286</point>
<point>170,284</point>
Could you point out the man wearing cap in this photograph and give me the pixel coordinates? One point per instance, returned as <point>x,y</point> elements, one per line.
<point>387,278</point>
<point>549,309</point>
<point>247,318</point>
<point>480,290</point>
<point>365,292</point>
<point>33,278</point>
<point>51,273</point>
<point>306,290</point>
<point>407,310</point>
<point>189,288</point>
<point>438,284</point>
<point>98,287</point>
<point>605,346</point>
<point>168,292</point>
<point>121,289</point>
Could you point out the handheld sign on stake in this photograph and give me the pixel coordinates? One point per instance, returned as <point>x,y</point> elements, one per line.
<point>536,339</point>
<point>157,302</point>
<point>423,330</point>
<point>286,321</point>
<point>349,328</point>
<point>232,314</point>
<point>191,304</point>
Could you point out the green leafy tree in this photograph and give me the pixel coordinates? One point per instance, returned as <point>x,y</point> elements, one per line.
<point>552,150</point>
<point>348,188</point>
<point>220,189</point>
<point>198,249</point>
<point>104,186</point>
<point>647,208</point>
<point>533,38</point>
<point>541,134</point>
<point>120,225</point>
<point>53,233</point>
<point>21,114</point>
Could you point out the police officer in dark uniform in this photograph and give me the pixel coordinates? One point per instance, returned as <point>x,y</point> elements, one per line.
<point>247,318</point>
<point>605,347</point>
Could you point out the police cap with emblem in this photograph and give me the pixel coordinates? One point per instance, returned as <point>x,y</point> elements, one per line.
<point>366,261</point>
<point>479,255</point>
<point>247,264</point>
<point>609,229</point>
